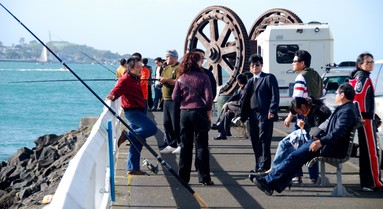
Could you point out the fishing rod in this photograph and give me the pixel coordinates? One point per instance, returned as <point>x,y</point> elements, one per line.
<point>64,80</point>
<point>98,62</point>
<point>150,149</point>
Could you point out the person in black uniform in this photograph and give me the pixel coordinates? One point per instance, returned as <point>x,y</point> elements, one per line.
<point>370,176</point>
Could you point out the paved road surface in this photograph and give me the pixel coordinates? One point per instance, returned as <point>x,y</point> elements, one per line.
<point>230,162</point>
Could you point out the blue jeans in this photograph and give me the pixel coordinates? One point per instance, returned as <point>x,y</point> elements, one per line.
<point>314,169</point>
<point>283,150</point>
<point>143,127</point>
<point>157,95</point>
<point>280,177</point>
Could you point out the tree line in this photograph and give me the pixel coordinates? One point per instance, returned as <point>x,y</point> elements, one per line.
<point>69,52</point>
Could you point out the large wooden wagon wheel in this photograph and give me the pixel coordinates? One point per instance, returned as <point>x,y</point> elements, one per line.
<point>221,33</point>
<point>276,16</point>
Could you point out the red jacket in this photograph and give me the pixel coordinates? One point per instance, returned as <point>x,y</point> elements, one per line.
<point>128,86</point>
<point>145,75</point>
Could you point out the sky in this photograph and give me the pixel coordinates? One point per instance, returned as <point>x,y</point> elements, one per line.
<point>153,26</point>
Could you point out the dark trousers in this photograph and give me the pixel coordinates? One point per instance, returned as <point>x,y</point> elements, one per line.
<point>281,177</point>
<point>369,170</point>
<point>224,120</point>
<point>194,123</point>
<point>171,111</point>
<point>261,132</point>
<point>224,125</point>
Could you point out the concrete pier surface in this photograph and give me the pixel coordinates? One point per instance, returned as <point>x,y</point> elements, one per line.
<point>230,163</point>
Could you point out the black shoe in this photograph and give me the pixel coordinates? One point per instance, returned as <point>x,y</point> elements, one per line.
<point>259,174</point>
<point>257,171</point>
<point>314,180</point>
<point>252,177</point>
<point>220,137</point>
<point>214,126</point>
<point>261,183</point>
<point>228,133</point>
<point>207,183</point>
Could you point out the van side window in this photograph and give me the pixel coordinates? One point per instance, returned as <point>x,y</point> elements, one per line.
<point>285,53</point>
<point>377,79</point>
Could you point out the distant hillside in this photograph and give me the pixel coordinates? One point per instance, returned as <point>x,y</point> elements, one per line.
<point>68,52</point>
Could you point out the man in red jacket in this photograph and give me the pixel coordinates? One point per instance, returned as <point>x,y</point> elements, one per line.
<point>132,100</point>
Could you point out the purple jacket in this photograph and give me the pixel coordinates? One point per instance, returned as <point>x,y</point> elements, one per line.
<point>187,97</point>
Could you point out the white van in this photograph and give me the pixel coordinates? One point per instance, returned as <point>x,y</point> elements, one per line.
<point>377,79</point>
<point>278,44</point>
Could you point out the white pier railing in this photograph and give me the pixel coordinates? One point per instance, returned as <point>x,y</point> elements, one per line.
<point>85,183</point>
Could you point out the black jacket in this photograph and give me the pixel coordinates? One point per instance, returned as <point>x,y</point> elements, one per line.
<point>266,93</point>
<point>342,121</point>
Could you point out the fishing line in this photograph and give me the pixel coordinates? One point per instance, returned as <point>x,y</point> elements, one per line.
<point>88,55</point>
<point>98,62</point>
<point>64,80</point>
<point>163,162</point>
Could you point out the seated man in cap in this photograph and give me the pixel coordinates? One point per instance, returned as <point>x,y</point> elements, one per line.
<point>334,143</point>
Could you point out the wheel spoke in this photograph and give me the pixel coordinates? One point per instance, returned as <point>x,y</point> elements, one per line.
<point>213,30</point>
<point>226,32</point>
<point>229,50</point>
<point>203,39</point>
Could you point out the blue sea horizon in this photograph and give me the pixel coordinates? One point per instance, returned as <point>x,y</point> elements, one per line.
<point>29,110</point>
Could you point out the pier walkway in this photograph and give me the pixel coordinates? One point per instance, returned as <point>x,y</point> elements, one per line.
<point>230,163</point>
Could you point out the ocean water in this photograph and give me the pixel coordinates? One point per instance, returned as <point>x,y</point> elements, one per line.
<point>32,109</point>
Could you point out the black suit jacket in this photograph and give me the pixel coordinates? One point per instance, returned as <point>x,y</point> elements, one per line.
<point>266,93</point>
<point>235,100</point>
<point>213,82</point>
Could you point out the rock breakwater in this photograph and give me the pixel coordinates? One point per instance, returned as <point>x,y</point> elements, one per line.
<point>30,174</point>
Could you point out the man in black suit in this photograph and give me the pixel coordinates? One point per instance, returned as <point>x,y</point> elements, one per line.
<point>260,104</point>
<point>334,143</point>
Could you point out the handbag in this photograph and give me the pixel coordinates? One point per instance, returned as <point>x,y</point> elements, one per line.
<point>297,138</point>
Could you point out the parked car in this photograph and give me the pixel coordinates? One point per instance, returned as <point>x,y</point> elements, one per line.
<point>333,78</point>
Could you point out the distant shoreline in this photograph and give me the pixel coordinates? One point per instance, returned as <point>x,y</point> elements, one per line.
<point>17,60</point>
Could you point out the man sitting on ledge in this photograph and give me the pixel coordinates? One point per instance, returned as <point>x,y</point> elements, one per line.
<point>332,144</point>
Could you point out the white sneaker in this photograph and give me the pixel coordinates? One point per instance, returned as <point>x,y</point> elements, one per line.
<point>167,150</point>
<point>177,151</point>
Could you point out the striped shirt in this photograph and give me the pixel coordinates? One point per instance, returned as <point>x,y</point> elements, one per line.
<point>300,87</point>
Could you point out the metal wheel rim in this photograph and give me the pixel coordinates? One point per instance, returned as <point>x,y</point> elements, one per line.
<point>227,50</point>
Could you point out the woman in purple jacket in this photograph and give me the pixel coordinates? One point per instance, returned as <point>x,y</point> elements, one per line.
<point>193,91</point>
